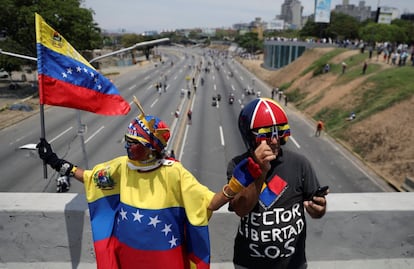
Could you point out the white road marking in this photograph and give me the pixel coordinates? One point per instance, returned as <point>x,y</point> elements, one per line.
<point>93,135</point>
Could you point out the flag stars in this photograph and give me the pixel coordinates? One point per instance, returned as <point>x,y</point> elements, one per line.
<point>85,70</point>
<point>154,221</point>
<point>78,69</point>
<point>137,216</point>
<point>123,214</point>
<point>167,229</point>
<point>69,71</point>
<point>173,241</point>
<point>64,75</point>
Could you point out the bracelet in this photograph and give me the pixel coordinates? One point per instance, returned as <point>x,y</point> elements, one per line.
<point>228,196</point>
<point>73,171</point>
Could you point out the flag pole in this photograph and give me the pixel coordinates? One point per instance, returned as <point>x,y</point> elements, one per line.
<point>43,135</point>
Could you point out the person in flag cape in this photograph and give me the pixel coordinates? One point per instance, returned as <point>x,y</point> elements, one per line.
<point>147,210</point>
<point>272,228</point>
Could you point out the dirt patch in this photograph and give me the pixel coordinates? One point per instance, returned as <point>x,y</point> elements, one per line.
<point>384,141</point>
<point>25,96</point>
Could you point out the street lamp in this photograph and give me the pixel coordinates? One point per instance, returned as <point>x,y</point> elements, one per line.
<point>82,127</point>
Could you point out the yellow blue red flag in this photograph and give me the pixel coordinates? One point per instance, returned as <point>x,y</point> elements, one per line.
<point>67,79</point>
<point>154,219</point>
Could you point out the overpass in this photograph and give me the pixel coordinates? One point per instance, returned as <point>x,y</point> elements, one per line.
<point>359,230</point>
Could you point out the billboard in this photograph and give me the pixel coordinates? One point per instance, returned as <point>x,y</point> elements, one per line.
<point>323,11</point>
<point>385,15</point>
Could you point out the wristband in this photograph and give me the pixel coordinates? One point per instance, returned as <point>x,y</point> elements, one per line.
<point>228,196</point>
<point>235,185</point>
<point>73,171</point>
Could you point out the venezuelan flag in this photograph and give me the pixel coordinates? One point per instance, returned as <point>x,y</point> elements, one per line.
<point>272,190</point>
<point>67,79</point>
<point>149,220</point>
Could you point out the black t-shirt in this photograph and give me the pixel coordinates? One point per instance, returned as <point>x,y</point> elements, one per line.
<point>273,234</point>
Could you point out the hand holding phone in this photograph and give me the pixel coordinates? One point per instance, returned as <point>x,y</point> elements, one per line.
<point>321,191</point>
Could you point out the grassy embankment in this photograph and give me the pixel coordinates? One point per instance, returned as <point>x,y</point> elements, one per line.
<point>382,89</point>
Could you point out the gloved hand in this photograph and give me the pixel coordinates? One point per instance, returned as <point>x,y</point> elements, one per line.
<point>244,173</point>
<point>46,154</point>
<point>62,184</point>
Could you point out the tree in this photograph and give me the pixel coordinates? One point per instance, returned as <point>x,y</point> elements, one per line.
<point>128,40</point>
<point>407,27</point>
<point>249,41</point>
<point>377,32</point>
<point>341,27</point>
<point>65,16</point>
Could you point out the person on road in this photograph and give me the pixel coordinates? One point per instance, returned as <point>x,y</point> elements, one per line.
<point>272,227</point>
<point>146,209</point>
<point>189,116</point>
<point>319,127</point>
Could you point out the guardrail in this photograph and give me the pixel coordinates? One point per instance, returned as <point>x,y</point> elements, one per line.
<point>374,230</point>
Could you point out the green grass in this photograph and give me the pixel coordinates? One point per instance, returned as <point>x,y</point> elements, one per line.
<point>317,66</point>
<point>314,100</point>
<point>295,96</point>
<point>379,92</point>
<point>286,85</point>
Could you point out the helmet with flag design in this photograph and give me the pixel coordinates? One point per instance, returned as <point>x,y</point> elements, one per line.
<point>149,131</point>
<point>263,114</point>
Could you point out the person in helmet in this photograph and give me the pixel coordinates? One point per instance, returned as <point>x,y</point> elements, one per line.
<point>272,228</point>
<point>146,209</point>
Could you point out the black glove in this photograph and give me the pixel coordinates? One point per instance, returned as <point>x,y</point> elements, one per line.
<point>46,154</point>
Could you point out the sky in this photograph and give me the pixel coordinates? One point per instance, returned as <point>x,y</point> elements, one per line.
<point>137,16</point>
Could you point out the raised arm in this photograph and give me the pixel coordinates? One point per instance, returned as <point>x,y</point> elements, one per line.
<point>62,166</point>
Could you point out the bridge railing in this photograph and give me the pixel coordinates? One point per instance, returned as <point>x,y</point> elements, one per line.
<point>360,230</point>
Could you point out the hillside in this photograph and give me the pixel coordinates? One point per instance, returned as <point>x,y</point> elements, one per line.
<point>382,136</point>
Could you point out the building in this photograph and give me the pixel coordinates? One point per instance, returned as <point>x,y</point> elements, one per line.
<point>386,14</point>
<point>279,53</point>
<point>360,12</point>
<point>291,13</point>
<point>408,17</point>
<point>276,25</point>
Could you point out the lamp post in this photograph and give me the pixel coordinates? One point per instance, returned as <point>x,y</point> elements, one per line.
<point>82,127</point>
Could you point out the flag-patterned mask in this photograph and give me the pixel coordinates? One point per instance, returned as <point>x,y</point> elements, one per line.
<point>149,131</point>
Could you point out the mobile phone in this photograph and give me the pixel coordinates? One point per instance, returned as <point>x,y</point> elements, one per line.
<point>320,192</point>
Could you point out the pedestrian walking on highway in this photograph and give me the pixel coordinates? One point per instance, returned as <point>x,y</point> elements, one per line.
<point>319,127</point>
<point>189,115</point>
<point>146,209</point>
<point>272,228</point>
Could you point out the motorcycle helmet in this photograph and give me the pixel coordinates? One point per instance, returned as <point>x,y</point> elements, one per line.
<point>262,114</point>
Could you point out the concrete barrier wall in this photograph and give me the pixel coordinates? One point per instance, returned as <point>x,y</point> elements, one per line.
<point>369,230</point>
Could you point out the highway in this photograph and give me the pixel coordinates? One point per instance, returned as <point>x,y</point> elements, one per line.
<point>204,147</point>
<point>347,236</point>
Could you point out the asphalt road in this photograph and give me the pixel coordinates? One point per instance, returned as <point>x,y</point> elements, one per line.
<point>204,147</point>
